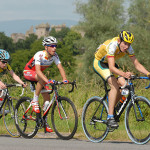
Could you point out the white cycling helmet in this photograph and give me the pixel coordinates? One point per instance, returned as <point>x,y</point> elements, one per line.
<point>49,40</point>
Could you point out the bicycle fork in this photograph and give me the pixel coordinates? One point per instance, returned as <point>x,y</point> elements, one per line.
<point>139,109</point>
<point>59,105</point>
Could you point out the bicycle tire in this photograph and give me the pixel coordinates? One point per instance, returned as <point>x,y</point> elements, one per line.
<point>138,131</point>
<point>8,117</point>
<point>94,121</point>
<point>25,122</point>
<point>64,127</point>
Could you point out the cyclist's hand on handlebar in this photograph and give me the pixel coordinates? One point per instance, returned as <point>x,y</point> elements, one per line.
<point>65,81</point>
<point>127,75</point>
<point>2,85</point>
<point>148,74</point>
<point>51,81</point>
<point>24,85</point>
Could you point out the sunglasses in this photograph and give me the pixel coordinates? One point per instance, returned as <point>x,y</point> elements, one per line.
<point>52,45</point>
<point>4,62</point>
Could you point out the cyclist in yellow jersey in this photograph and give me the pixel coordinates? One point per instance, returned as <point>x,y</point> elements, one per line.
<point>4,66</point>
<point>105,66</point>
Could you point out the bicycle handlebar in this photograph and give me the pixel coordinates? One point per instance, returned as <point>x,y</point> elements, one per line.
<point>133,77</point>
<point>17,85</point>
<point>59,83</point>
<point>11,85</point>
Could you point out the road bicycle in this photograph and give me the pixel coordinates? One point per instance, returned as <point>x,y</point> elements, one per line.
<point>7,108</point>
<point>64,116</point>
<point>137,115</point>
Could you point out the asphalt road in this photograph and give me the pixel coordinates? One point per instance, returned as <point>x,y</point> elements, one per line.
<point>52,143</point>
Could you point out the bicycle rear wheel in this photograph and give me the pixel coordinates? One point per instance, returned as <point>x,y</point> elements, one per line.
<point>94,119</point>
<point>64,118</point>
<point>138,128</point>
<point>8,117</point>
<point>25,118</point>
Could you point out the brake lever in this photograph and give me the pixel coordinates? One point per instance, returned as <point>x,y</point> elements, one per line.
<point>147,86</point>
<point>73,84</point>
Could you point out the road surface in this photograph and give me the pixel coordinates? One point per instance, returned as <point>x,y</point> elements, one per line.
<point>53,143</point>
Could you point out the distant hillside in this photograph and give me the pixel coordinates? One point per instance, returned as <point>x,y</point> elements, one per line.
<point>21,26</point>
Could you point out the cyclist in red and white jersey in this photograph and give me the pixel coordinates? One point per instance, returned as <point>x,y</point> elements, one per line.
<point>33,71</point>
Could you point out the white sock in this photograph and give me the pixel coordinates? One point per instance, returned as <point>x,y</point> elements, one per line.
<point>35,98</point>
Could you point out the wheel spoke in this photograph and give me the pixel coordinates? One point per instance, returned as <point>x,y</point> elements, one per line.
<point>137,121</point>
<point>94,116</point>
<point>8,117</point>
<point>66,125</point>
<point>25,118</point>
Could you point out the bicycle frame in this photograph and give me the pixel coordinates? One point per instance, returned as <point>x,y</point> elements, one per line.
<point>7,96</point>
<point>55,97</point>
<point>131,96</point>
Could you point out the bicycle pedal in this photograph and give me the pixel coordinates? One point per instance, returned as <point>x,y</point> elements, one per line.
<point>112,129</point>
<point>39,123</point>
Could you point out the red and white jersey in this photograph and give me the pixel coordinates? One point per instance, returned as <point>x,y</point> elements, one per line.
<point>41,58</point>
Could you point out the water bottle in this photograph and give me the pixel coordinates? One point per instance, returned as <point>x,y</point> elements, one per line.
<point>2,95</point>
<point>121,101</point>
<point>125,91</point>
<point>1,101</point>
<point>32,87</point>
<point>45,105</point>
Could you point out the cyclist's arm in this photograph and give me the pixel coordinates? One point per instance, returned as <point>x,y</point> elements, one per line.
<point>17,78</point>
<point>62,71</point>
<point>40,73</point>
<point>112,68</point>
<point>138,65</point>
<point>2,85</point>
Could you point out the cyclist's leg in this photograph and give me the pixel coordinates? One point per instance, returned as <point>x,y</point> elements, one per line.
<point>102,69</point>
<point>113,98</point>
<point>46,98</point>
<point>31,75</point>
<point>121,81</point>
<point>114,92</point>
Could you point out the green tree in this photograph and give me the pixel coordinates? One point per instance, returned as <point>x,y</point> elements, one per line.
<point>102,19</point>
<point>71,41</point>
<point>22,56</point>
<point>59,34</point>
<point>139,25</point>
<point>6,43</point>
<point>29,40</point>
<point>19,60</point>
<point>26,44</point>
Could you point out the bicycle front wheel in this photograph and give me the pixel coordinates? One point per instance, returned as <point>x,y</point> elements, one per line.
<point>137,120</point>
<point>8,117</point>
<point>94,119</point>
<point>64,118</point>
<point>25,118</point>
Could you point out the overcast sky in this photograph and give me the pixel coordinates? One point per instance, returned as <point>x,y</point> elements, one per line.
<point>38,9</point>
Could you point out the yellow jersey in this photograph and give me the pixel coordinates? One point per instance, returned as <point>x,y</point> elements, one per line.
<point>8,67</point>
<point>110,48</point>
